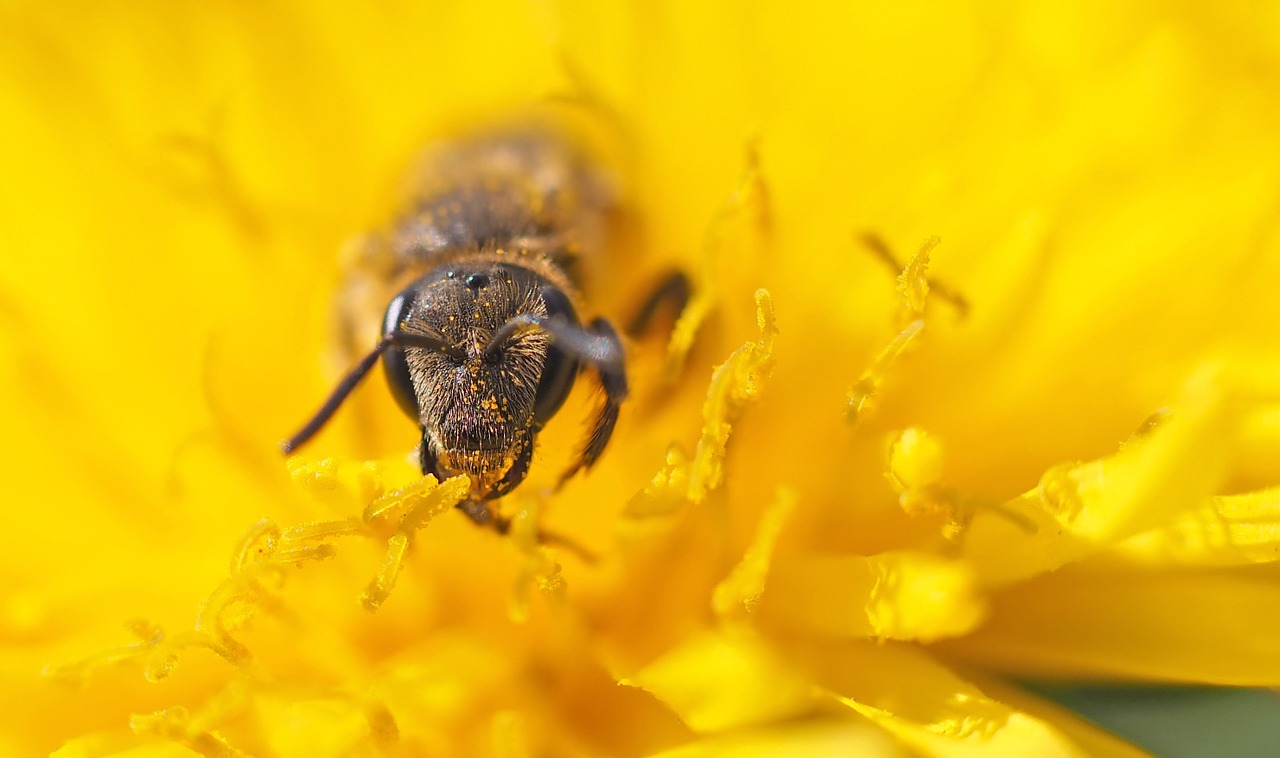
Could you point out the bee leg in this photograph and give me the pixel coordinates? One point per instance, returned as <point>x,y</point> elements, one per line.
<point>502,525</point>
<point>427,457</point>
<point>596,346</point>
<point>671,294</point>
<point>480,513</point>
<point>609,368</point>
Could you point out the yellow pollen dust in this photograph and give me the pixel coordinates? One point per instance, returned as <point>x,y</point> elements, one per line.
<point>915,459</point>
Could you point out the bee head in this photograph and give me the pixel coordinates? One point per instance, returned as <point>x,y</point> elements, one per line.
<point>480,402</point>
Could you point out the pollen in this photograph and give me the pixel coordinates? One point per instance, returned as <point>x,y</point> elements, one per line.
<point>915,459</point>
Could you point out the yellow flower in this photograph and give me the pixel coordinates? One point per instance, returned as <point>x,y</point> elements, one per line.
<point>841,510</point>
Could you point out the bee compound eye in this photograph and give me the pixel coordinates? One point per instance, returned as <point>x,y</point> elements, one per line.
<point>396,366</point>
<point>560,369</point>
<point>394,362</point>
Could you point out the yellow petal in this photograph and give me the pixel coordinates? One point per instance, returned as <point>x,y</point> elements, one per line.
<point>123,745</point>
<point>902,595</point>
<point>1207,625</point>
<point>1095,742</point>
<point>924,705</point>
<point>1229,531</point>
<point>1079,510</point>
<point>720,680</point>
<point>316,728</point>
<point>822,738</point>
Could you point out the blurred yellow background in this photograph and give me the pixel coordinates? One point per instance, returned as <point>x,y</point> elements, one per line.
<point>178,180</point>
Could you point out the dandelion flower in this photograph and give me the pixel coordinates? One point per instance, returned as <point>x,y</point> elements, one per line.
<point>979,382</point>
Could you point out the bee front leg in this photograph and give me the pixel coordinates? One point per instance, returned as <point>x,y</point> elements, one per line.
<point>607,361</point>
<point>595,346</point>
<point>427,457</point>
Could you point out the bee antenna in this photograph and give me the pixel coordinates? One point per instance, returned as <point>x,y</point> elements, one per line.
<point>353,378</point>
<point>581,343</point>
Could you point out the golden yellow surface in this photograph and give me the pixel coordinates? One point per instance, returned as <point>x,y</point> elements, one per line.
<point>845,504</point>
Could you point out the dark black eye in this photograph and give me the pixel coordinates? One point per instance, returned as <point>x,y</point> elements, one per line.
<point>394,363</point>
<point>560,370</point>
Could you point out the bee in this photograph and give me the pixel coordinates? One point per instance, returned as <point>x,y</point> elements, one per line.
<point>484,340</point>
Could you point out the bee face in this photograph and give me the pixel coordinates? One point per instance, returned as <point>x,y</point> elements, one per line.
<point>479,404</point>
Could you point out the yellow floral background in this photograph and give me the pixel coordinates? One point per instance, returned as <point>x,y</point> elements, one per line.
<point>863,502</point>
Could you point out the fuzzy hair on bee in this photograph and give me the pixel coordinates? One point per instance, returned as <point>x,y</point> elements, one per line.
<point>482,341</point>
<point>494,398</point>
<point>478,406</point>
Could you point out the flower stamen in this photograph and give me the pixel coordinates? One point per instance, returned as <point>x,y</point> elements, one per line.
<point>737,380</point>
